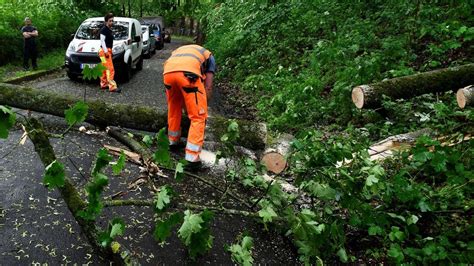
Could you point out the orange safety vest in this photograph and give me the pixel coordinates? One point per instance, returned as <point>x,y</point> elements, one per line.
<point>188,58</point>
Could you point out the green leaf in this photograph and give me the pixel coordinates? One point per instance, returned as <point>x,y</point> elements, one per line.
<point>394,215</point>
<point>162,199</point>
<point>163,228</point>
<point>77,113</point>
<point>105,239</point>
<point>396,253</point>
<point>322,191</point>
<point>162,140</point>
<point>117,227</point>
<point>103,159</point>
<point>439,161</point>
<point>424,207</point>
<point>233,126</point>
<point>396,234</point>
<point>413,219</point>
<point>371,179</point>
<point>7,120</point>
<point>242,254</point>
<point>422,157</point>
<point>179,171</point>
<point>195,232</point>
<point>375,230</point>
<point>148,140</point>
<point>162,155</point>
<point>94,190</point>
<point>54,176</point>
<point>118,166</point>
<point>267,214</point>
<point>342,255</point>
<point>192,224</point>
<point>93,73</point>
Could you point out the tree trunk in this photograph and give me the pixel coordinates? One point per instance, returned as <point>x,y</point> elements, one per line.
<point>465,96</point>
<point>275,155</point>
<point>370,96</point>
<point>252,135</point>
<point>141,8</point>
<point>68,192</point>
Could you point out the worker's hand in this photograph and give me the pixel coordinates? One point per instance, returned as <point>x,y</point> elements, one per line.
<point>208,94</point>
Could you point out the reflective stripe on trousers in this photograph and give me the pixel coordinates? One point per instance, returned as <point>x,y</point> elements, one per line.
<point>173,136</point>
<point>107,78</point>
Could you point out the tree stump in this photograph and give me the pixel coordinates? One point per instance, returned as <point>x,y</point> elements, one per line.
<point>275,155</point>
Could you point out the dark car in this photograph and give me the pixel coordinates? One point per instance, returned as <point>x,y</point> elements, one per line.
<point>156,24</point>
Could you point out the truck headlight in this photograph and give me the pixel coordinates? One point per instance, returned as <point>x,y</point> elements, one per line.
<point>70,49</point>
<point>118,49</point>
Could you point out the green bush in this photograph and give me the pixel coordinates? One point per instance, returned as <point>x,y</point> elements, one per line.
<point>305,56</point>
<point>301,59</point>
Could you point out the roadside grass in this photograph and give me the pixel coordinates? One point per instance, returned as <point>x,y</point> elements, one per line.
<point>183,38</point>
<point>49,61</point>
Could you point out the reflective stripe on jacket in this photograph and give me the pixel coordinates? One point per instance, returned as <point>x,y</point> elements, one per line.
<point>188,58</point>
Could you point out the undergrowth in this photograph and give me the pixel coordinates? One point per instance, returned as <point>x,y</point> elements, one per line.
<point>302,59</point>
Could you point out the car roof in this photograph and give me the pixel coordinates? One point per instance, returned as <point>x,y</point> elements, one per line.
<point>124,19</point>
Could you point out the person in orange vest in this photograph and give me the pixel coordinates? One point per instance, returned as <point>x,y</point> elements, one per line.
<point>105,54</point>
<point>188,75</point>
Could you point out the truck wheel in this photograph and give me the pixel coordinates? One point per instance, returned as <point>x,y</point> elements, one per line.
<point>140,62</point>
<point>72,77</point>
<point>127,71</point>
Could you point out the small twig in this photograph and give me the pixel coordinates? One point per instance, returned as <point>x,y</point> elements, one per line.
<point>209,183</point>
<point>266,192</point>
<point>120,203</point>
<point>75,166</point>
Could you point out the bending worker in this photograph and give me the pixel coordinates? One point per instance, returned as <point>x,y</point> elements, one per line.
<point>105,54</point>
<point>188,75</point>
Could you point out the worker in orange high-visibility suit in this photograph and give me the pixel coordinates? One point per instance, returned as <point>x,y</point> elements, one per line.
<point>105,54</point>
<point>188,76</point>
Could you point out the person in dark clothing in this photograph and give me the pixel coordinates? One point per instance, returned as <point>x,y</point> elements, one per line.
<point>29,48</point>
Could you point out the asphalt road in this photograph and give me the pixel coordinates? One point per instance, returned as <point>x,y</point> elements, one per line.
<point>145,87</point>
<point>37,227</point>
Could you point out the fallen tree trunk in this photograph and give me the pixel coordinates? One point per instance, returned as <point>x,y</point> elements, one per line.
<point>252,135</point>
<point>465,96</point>
<point>370,96</point>
<point>69,193</point>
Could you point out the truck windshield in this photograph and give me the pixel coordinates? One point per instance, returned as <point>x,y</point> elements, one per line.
<point>91,30</point>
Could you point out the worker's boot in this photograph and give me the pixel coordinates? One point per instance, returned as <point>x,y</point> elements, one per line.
<point>193,166</point>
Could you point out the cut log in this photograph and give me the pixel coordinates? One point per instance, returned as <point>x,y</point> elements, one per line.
<point>370,96</point>
<point>465,96</point>
<point>388,147</point>
<point>275,155</point>
<point>252,135</point>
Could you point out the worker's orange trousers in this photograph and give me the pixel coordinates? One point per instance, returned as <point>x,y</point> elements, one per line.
<point>107,78</point>
<point>179,90</point>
